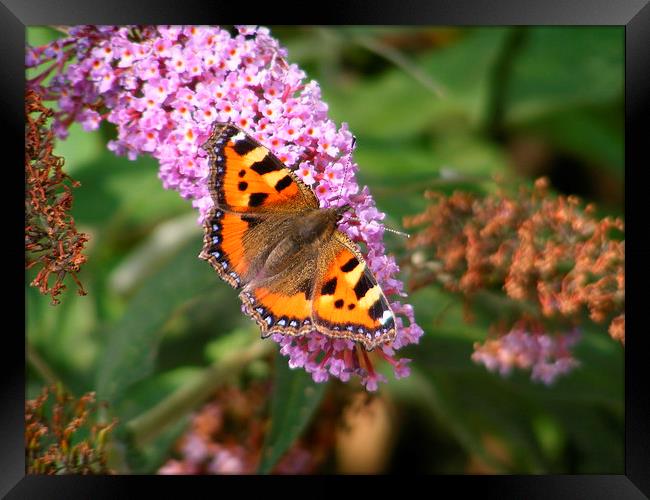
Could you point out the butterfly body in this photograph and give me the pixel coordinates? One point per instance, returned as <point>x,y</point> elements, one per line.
<point>268,237</point>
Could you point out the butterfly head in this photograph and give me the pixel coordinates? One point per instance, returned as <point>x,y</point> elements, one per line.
<point>340,211</point>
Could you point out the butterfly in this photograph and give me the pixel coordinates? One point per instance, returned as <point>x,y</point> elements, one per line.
<point>268,237</point>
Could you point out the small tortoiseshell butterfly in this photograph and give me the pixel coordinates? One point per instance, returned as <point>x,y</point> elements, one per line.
<point>268,237</point>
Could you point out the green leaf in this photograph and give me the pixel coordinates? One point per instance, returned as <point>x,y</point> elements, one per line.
<point>150,424</point>
<point>395,105</point>
<point>141,397</point>
<point>558,67</point>
<point>63,334</point>
<point>133,343</point>
<point>149,459</point>
<point>148,392</point>
<point>295,397</point>
<point>116,192</point>
<point>40,35</point>
<point>146,256</point>
<point>221,347</point>
<point>594,134</point>
<point>539,427</point>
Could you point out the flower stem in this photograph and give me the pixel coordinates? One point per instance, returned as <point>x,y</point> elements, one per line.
<point>150,424</point>
<point>396,57</point>
<point>500,77</point>
<point>42,368</point>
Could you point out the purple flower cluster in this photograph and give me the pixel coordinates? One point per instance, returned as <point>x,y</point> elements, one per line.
<point>547,356</point>
<point>213,444</point>
<point>215,459</point>
<point>163,87</point>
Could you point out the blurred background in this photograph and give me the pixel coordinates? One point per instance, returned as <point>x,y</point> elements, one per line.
<point>440,108</point>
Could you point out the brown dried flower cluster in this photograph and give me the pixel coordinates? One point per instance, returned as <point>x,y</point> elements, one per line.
<point>548,250</point>
<point>59,438</point>
<point>51,238</point>
<point>226,437</point>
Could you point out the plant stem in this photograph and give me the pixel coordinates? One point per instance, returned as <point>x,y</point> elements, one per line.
<point>401,61</point>
<point>499,80</point>
<point>150,424</point>
<point>42,368</point>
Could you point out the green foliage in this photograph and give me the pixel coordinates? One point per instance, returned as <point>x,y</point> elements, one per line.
<point>131,349</point>
<point>157,320</point>
<point>295,397</point>
<point>557,68</point>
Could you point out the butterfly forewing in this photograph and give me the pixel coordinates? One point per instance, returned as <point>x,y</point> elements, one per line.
<point>247,177</point>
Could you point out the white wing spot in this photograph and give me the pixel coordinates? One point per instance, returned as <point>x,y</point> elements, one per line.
<point>385,317</point>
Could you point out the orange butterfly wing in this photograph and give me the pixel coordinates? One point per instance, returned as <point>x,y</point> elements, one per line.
<point>284,303</point>
<point>248,184</point>
<point>247,177</point>
<point>258,201</point>
<point>334,293</point>
<point>347,301</point>
<point>224,234</point>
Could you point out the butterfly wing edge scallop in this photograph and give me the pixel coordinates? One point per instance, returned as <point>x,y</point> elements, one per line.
<point>212,250</point>
<point>269,322</point>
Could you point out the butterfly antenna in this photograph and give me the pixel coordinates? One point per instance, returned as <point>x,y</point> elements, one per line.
<point>354,141</point>
<point>389,229</point>
<point>345,172</point>
<point>401,233</point>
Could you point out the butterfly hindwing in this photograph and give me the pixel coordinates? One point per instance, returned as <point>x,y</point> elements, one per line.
<point>278,311</point>
<point>283,302</point>
<point>247,177</point>
<point>238,245</point>
<point>224,233</point>
<point>347,300</point>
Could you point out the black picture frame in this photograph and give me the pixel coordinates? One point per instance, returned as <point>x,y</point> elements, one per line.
<point>634,15</point>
